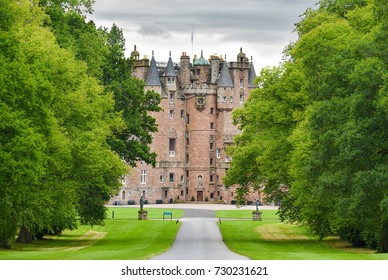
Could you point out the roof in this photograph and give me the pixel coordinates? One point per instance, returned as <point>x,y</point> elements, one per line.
<point>225,80</point>
<point>170,71</point>
<point>201,60</point>
<point>153,75</point>
<point>251,76</point>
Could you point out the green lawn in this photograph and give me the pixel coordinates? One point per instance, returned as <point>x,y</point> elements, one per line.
<point>273,240</point>
<point>246,214</point>
<point>131,213</point>
<point>124,238</point>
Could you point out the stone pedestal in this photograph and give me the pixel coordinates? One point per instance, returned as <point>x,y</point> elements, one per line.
<point>256,215</point>
<point>143,214</point>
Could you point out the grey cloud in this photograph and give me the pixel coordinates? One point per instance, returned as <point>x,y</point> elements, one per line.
<point>153,30</point>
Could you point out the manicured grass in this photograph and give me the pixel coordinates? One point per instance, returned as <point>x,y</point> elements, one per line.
<point>272,240</point>
<point>120,239</point>
<point>246,214</point>
<point>125,213</point>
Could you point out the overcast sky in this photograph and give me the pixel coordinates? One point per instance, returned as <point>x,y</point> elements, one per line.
<point>261,27</point>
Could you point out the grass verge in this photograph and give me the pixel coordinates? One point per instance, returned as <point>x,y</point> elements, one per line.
<point>122,238</point>
<point>272,240</point>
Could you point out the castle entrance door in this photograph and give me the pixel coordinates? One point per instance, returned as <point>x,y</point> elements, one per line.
<point>199,195</point>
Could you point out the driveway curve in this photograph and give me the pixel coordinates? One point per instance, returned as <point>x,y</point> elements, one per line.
<point>199,238</point>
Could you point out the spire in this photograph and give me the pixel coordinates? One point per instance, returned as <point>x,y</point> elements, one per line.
<point>251,75</point>
<point>153,75</point>
<point>225,80</point>
<point>170,71</point>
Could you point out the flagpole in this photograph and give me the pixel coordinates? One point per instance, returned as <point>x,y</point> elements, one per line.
<point>192,42</point>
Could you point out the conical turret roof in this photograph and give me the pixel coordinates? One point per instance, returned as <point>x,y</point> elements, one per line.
<point>251,75</point>
<point>153,75</point>
<point>170,71</point>
<point>225,80</point>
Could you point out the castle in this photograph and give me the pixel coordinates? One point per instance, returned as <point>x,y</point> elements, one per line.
<point>194,128</point>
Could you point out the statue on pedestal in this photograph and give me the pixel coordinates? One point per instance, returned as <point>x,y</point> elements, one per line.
<point>141,203</point>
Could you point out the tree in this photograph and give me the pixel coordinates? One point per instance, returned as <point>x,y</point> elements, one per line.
<point>262,152</point>
<point>54,122</point>
<point>330,161</point>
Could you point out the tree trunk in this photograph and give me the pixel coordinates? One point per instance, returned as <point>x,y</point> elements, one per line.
<point>384,241</point>
<point>24,235</point>
<point>4,243</point>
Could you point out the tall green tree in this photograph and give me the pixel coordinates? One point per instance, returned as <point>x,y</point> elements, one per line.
<point>103,50</point>
<point>54,124</point>
<point>335,154</point>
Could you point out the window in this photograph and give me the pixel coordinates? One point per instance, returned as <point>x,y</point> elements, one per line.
<point>187,118</point>
<point>182,178</point>
<point>200,177</point>
<point>211,111</point>
<point>161,178</point>
<point>218,153</point>
<point>123,179</point>
<point>224,98</point>
<point>165,193</point>
<point>171,98</point>
<point>143,177</point>
<point>187,173</point>
<point>171,177</point>
<point>217,178</point>
<point>187,191</point>
<point>211,146</point>
<point>123,195</point>
<point>211,161</point>
<point>211,195</point>
<point>170,81</point>
<point>171,147</point>
<point>231,99</point>
<point>181,193</point>
<point>182,114</point>
<point>198,71</point>
<point>228,159</point>
<point>241,83</point>
<point>211,178</point>
<point>171,114</point>
<point>241,97</point>
<point>211,125</point>
<point>187,158</point>
<point>187,141</point>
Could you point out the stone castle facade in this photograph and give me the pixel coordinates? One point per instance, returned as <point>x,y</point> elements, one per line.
<point>194,128</point>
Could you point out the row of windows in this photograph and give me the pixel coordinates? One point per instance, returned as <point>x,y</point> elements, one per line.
<point>171,178</point>
<point>231,100</point>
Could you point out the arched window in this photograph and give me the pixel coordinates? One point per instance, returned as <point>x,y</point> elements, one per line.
<point>123,195</point>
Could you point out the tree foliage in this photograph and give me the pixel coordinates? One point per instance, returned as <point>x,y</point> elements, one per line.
<point>328,158</point>
<point>55,122</point>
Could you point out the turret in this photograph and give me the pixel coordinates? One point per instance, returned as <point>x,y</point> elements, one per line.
<point>201,68</point>
<point>153,74</point>
<point>170,75</point>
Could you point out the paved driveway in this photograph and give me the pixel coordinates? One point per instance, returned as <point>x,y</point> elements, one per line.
<point>199,238</point>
